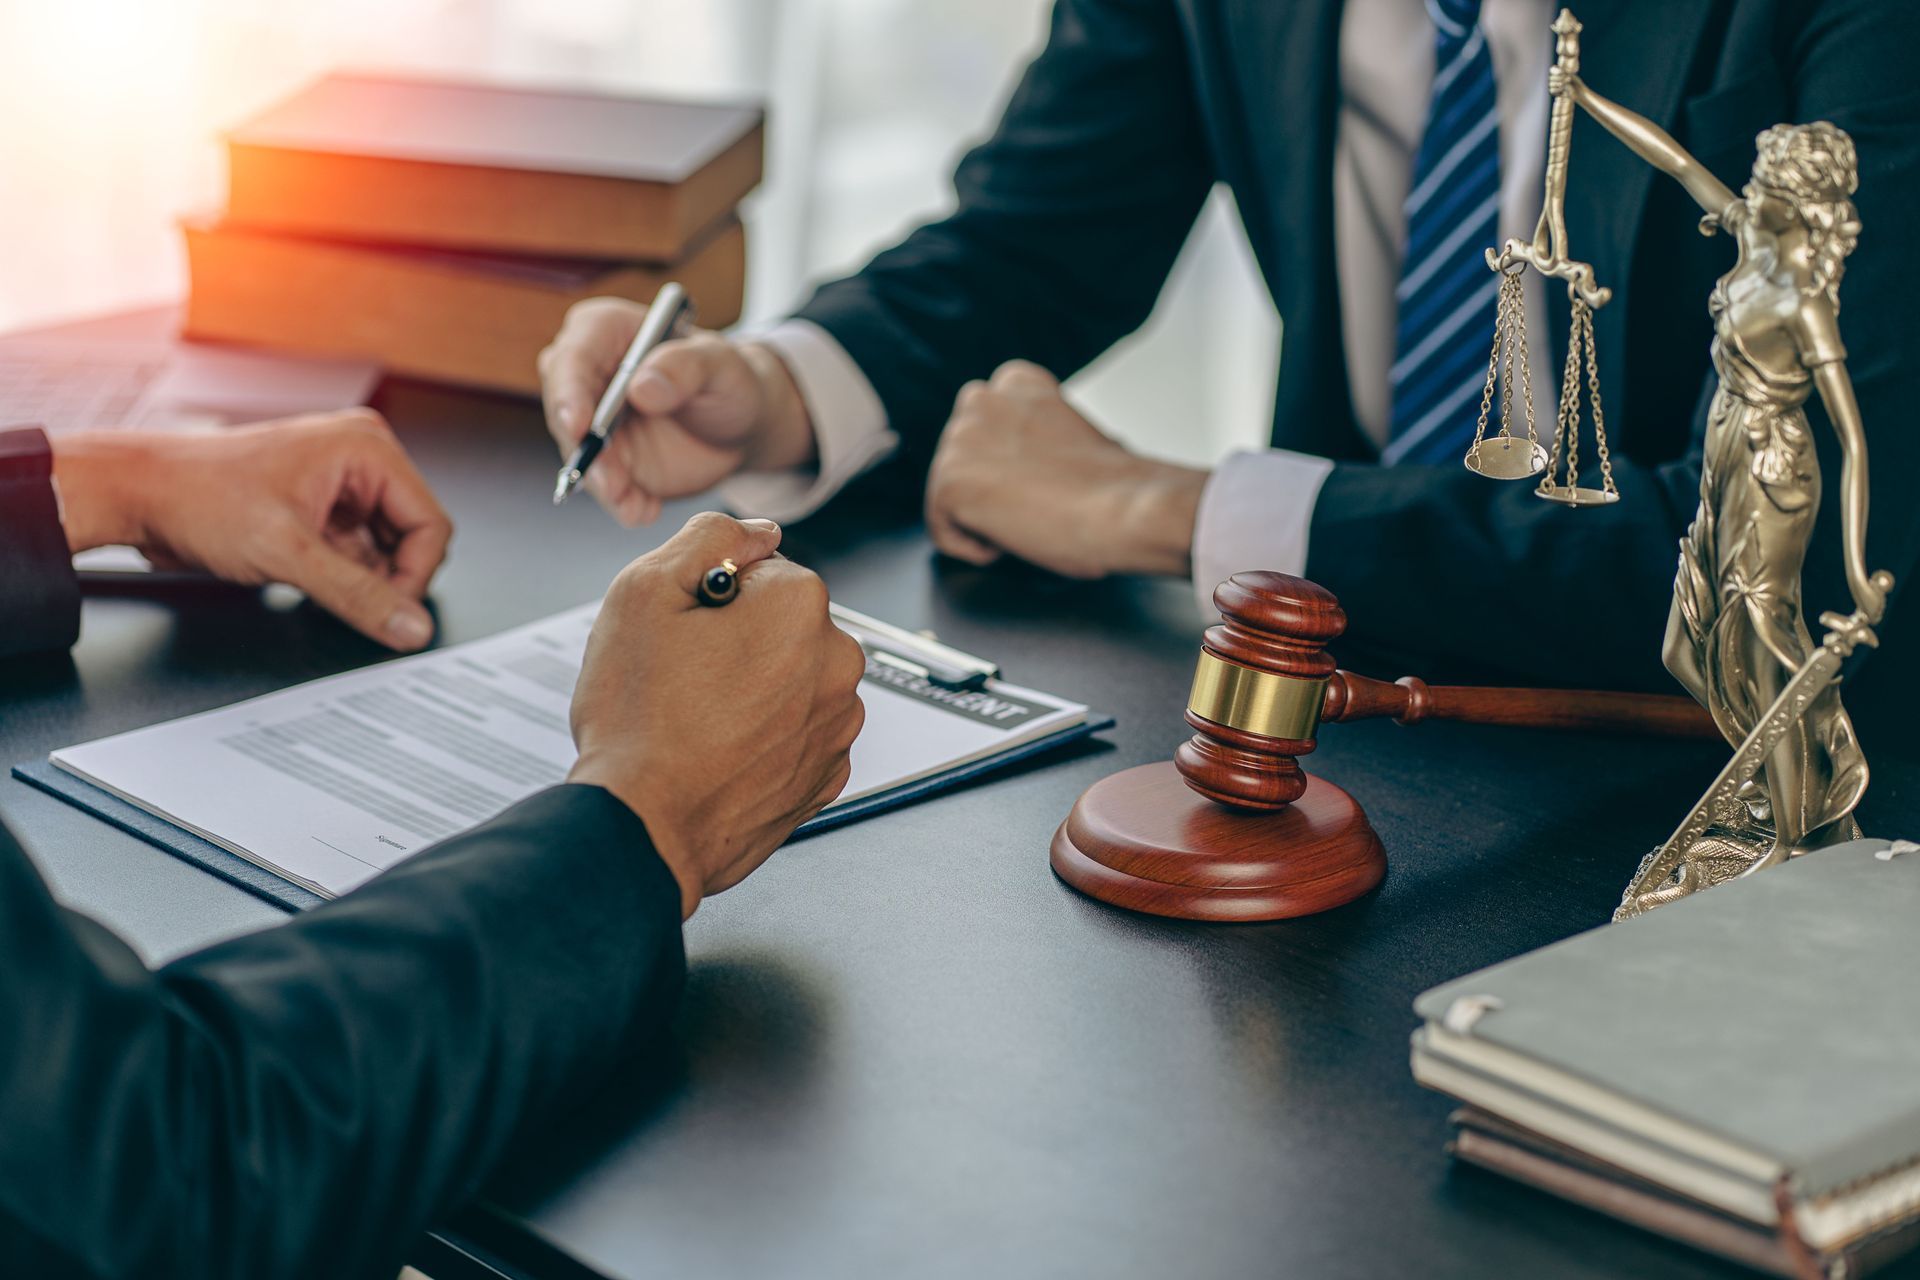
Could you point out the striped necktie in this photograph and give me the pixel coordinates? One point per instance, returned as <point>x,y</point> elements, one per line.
<point>1446,294</point>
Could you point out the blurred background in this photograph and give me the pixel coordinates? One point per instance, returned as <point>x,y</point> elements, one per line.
<point>112,109</point>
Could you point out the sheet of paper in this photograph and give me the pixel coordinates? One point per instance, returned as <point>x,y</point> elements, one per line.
<point>331,782</point>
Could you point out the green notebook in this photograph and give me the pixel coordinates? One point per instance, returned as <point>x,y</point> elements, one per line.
<point>1759,1035</point>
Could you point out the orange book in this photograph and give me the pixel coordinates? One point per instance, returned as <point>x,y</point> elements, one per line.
<point>487,167</point>
<point>470,319</point>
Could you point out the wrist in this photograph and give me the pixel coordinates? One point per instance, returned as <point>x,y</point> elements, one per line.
<point>101,478</point>
<point>785,441</point>
<point>590,770</point>
<point>1157,511</point>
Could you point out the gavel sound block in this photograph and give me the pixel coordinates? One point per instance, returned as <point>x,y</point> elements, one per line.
<point>1232,828</point>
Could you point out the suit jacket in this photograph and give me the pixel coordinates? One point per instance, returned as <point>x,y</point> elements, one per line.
<point>1069,218</point>
<point>39,595</point>
<point>306,1101</point>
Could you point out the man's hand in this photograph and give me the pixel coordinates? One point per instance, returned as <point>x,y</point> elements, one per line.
<point>327,503</point>
<point>704,408</point>
<point>1019,471</point>
<point>723,728</point>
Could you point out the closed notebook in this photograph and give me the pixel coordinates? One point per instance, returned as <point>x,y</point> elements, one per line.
<point>1760,1036</point>
<point>493,167</point>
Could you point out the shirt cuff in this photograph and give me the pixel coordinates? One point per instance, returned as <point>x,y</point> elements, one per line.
<point>849,426</point>
<point>1255,513</point>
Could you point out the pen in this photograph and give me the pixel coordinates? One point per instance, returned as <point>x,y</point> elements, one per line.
<point>662,317</point>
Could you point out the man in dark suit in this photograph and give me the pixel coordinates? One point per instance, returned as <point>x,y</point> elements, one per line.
<point>1374,148</point>
<point>304,1102</point>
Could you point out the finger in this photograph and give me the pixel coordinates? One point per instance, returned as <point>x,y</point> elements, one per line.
<point>709,538</point>
<point>951,538</point>
<point>414,516</point>
<point>627,454</point>
<point>571,380</point>
<point>853,669</point>
<point>357,544</point>
<point>969,397</point>
<point>638,508</point>
<point>830,789</point>
<point>674,373</point>
<point>608,485</point>
<point>1023,377</point>
<point>846,729</point>
<point>575,367</point>
<point>360,597</point>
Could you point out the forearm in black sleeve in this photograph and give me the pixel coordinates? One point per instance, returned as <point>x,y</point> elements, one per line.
<point>1445,565</point>
<point>39,595</point>
<point>305,1101</point>
<point>1068,220</point>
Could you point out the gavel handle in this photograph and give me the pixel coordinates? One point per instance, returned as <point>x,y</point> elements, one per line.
<point>1411,700</point>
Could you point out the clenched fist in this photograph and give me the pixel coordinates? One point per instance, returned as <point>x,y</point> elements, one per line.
<point>723,728</point>
<point>1020,471</point>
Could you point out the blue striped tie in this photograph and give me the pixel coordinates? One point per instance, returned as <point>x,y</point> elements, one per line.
<point>1446,294</point>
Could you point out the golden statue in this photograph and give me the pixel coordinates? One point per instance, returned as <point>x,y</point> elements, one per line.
<point>1736,637</point>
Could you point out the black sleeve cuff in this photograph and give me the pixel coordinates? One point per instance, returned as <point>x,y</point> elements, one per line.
<point>39,594</point>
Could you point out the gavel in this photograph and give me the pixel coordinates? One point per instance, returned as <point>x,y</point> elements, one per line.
<point>1265,683</point>
<point>1232,828</point>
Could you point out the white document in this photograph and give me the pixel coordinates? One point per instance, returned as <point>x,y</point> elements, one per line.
<point>329,783</point>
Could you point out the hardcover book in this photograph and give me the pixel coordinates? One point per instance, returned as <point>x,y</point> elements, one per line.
<point>476,320</point>
<point>493,167</point>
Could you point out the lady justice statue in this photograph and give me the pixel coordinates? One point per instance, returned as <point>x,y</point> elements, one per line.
<point>1736,637</point>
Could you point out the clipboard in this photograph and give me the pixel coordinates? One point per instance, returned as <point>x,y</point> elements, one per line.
<point>921,656</point>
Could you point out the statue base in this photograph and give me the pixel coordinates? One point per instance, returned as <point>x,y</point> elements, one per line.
<point>1144,840</point>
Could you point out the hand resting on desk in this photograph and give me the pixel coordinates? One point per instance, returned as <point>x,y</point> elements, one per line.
<point>327,503</point>
<point>1020,472</point>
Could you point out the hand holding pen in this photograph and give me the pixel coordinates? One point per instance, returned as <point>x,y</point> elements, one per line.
<point>663,318</point>
<point>705,406</point>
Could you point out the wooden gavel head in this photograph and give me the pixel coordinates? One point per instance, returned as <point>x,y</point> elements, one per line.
<point>1259,690</point>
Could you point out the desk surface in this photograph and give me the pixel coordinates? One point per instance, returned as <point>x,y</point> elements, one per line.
<point>905,1048</point>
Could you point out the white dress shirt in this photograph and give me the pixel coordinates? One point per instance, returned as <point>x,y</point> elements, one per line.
<point>1257,509</point>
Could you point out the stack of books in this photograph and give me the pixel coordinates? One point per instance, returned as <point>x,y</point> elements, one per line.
<point>1737,1070</point>
<point>443,228</point>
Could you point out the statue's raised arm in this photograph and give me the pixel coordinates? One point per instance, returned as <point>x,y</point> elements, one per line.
<point>1647,140</point>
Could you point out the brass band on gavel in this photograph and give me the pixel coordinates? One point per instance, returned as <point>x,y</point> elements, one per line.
<point>1263,702</point>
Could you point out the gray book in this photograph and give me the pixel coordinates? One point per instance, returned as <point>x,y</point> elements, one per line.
<point>1754,1044</point>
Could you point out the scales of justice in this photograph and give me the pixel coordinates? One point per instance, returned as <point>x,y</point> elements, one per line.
<point>1233,829</point>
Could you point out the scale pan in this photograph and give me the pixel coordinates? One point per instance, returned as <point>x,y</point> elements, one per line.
<point>1576,497</point>
<point>1507,458</point>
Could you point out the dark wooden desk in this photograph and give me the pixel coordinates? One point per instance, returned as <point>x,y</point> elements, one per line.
<point>905,1049</point>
